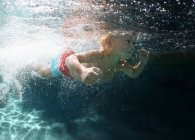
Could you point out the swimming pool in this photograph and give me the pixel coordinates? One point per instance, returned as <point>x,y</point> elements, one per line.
<point>159,105</point>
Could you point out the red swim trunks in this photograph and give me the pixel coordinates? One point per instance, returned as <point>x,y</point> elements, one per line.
<point>63,67</point>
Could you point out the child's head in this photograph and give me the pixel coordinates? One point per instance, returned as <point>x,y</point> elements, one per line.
<point>122,44</point>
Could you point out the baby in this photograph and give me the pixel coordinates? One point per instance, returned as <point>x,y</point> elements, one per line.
<point>97,66</point>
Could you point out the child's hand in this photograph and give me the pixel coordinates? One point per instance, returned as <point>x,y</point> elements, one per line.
<point>144,55</point>
<point>91,75</point>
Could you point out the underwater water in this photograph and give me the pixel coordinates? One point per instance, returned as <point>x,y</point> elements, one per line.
<point>158,105</point>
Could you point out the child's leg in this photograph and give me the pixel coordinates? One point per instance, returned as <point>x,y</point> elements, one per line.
<point>43,71</point>
<point>52,70</point>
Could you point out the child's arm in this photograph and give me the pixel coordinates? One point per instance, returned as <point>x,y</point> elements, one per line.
<point>134,71</point>
<point>80,72</point>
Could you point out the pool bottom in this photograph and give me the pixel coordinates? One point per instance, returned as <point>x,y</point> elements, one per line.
<point>19,124</point>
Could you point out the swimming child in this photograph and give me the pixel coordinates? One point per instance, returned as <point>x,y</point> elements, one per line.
<point>97,66</point>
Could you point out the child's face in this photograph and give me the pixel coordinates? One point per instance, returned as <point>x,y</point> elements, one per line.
<point>124,45</point>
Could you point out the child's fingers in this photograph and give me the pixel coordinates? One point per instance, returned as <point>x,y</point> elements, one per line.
<point>92,75</point>
<point>97,70</point>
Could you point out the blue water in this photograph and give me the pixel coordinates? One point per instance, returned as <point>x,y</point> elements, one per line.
<point>152,107</point>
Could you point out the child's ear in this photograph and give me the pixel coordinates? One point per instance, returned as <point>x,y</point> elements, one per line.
<point>108,40</point>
